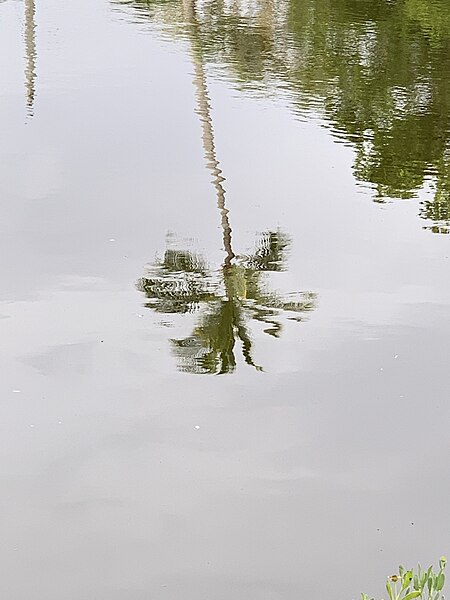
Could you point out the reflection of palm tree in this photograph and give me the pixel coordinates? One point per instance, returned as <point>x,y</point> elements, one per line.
<point>226,300</point>
<point>182,283</point>
<point>30,50</point>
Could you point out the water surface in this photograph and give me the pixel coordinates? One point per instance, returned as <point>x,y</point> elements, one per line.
<point>225,297</point>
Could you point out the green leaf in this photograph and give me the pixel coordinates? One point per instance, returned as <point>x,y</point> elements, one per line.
<point>389,590</point>
<point>442,562</point>
<point>416,582</point>
<point>423,580</point>
<point>401,570</point>
<point>415,594</point>
<point>440,581</point>
<point>407,579</point>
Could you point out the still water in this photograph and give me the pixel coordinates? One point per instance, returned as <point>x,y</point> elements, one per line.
<point>225,299</point>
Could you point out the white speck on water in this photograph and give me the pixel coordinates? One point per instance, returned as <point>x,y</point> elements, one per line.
<point>112,239</point>
<point>59,422</point>
<point>140,316</point>
<point>381,369</point>
<point>31,425</point>
<point>16,391</point>
<point>197,427</point>
<point>396,356</point>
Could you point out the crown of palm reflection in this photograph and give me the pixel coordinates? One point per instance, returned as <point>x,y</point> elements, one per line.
<point>226,301</point>
<point>378,71</point>
<point>182,282</point>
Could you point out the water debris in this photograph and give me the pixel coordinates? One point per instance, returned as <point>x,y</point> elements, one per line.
<point>197,427</point>
<point>112,240</point>
<point>396,356</point>
<point>17,391</point>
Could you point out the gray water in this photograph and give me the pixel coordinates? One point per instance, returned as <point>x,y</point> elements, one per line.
<point>225,295</point>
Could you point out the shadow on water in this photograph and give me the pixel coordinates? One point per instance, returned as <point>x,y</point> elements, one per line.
<point>228,299</point>
<point>377,72</point>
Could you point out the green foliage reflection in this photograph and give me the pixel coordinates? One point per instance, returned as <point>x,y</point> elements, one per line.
<point>378,71</point>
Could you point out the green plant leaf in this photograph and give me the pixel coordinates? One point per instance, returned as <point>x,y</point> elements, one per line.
<point>389,590</point>
<point>423,580</point>
<point>406,579</point>
<point>414,594</point>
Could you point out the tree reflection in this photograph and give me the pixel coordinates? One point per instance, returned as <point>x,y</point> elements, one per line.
<point>225,302</point>
<point>377,70</point>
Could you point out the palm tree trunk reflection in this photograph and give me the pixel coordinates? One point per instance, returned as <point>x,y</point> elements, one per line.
<point>204,112</point>
<point>30,52</point>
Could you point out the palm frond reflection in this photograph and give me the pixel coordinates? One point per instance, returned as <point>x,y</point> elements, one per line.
<point>226,302</point>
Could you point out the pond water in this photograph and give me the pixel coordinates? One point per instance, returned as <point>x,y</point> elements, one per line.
<point>225,300</point>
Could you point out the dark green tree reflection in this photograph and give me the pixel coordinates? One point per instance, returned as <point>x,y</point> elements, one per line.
<point>224,302</point>
<point>378,71</point>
